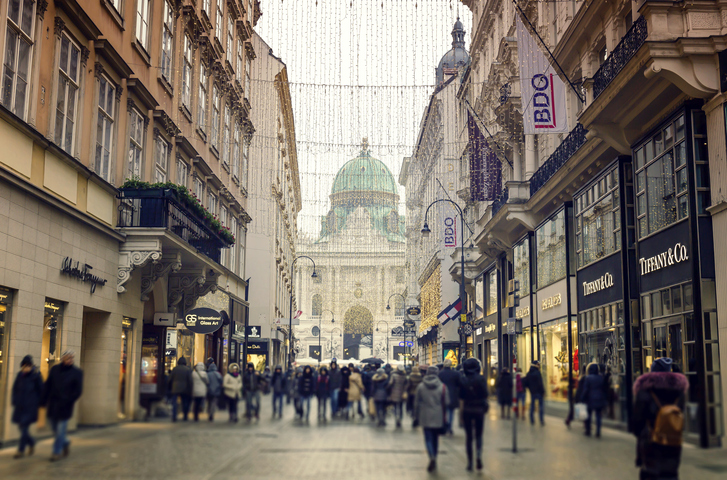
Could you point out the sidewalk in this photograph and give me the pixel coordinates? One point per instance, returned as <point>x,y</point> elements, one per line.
<point>274,449</point>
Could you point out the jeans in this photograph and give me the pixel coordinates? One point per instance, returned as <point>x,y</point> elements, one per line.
<point>322,406</point>
<point>25,438</point>
<point>351,405</point>
<point>186,400</point>
<point>305,406</point>
<point>232,407</point>
<point>60,427</point>
<point>198,407</point>
<point>252,404</point>
<point>520,400</point>
<point>474,425</point>
<point>450,419</point>
<point>599,415</point>
<point>539,398</point>
<point>398,411</point>
<point>278,403</point>
<point>211,406</point>
<point>431,440</point>
<point>334,401</point>
<point>381,411</point>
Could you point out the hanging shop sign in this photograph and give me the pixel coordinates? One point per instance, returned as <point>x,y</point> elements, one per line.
<point>203,320</point>
<point>81,272</point>
<point>665,258</point>
<point>253,331</point>
<point>413,311</point>
<point>238,331</point>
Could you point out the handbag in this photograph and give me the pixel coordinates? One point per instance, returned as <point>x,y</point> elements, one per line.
<point>581,411</point>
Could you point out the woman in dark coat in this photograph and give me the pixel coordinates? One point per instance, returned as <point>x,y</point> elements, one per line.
<point>323,393</point>
<point>473,407</point>
<point>343,392</point>
<point>504,393</point>
<point>593,394</point>
<point>657,462</point>
<point>26,396</point>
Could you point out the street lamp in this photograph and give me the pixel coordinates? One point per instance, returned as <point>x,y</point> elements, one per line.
<point>387,336</point>
<point>462,293</point>
<point>292,291</point>
<point>320,333</point>
<point>388,307</point>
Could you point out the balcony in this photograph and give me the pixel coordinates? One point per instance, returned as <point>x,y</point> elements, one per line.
<point>164,208</point>
<point>500,201</point>
<point>624,51</point>
<point>567,148</point>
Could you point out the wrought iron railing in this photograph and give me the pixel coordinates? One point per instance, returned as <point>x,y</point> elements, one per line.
<point>500,201</point>
<point>161,208</point>
<point>565,150</point>
<point>624,51</point>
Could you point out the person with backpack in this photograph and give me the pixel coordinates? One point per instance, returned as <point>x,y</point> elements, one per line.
<point>658,420</point>
<point>451,379</point>
<point>398,385</point>
<point>593,394</point>
<point>199,388</point>
<point>214,389</point>
<point>473,407</point>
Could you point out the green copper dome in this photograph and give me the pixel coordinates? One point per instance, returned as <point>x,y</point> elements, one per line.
<point>364,173</point>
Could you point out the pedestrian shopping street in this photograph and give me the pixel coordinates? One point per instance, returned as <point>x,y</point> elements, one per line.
<point>283,448</point>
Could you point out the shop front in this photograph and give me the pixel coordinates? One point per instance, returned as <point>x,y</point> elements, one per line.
<point>257,353</point>
<point>521,266</point>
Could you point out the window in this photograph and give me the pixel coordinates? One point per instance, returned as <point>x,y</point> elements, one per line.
<point>230,37</point>
<point>117,5</point>
<point>168,42</point>
<point>491,292</point>
<point>248,67</point>
<point>187,74</point>
<point>316,306</point>
<point>136,143</point>
<point>243,167</point>
<point>218,21</point>
<point>240,62</point>
<point>206,6</point>
<point>521,266</point>
<point>215,117</point>
<point>162,160</point>
<point>233,249</point>
<point>68,84</point>
<point>198,189</point>
<point>479,299</point>
<point>241,239</point>
<point>211,203</point>
<point>182,171</point>
<point>202,105</point>
<point>551,250</point>
<point>18,50</point>
<point>143,13</point>
<point>236,153</point>
<point>598,220</point>
<point>226,137</point>
<point>104,134</point>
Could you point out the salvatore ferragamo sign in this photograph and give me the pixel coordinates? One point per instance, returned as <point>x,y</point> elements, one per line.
<point>672,256</point>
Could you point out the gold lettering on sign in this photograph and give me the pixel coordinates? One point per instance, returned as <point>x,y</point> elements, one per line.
<point>551,302</point>
<point>522,312</point>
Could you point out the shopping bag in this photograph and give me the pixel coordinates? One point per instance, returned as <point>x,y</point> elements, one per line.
<point>372,407</point>
<point>581,411</point>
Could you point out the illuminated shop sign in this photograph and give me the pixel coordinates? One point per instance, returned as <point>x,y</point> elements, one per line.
<point>522,312</point>
<point>674,255</point>
<point>551,302</point>
<point>606,281</point>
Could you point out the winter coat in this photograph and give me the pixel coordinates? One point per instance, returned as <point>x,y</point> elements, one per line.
<point>534,381</point>
<point>379,384</point>
<point>519,383</point>
<point>656,461</point>
<point>214,389</point>
<point>430,400</point>
<point>26,396</point>
<point>306,384</point>
<point>366,377</point>
<point>252,381</point>
<point>180,380</point>
<point>355,387</point>
<point>322,390</point>
<point>61,391</point>
<point>504,389</point>
<point>594,390</point>
<point>334,377</point>
<point>415,378</point>
<point>278,382</point>
<point>199,381</point>
<point>473,393</point>
<point>452,379</point>
<point>232,385</point>
<point>397,386</point>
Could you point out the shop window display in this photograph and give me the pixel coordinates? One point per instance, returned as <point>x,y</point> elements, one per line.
<point>598,221</point>
<point>521,266</point>
<point>6,301</point>
<point>551,250</point>
<point>554,358</point>
<point>491,292</point>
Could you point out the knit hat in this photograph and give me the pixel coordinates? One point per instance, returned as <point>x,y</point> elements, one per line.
<point>447,363</point>
<point>26,361</point>
<point>471,365</point>
<point>433,370</point>
<point>662,364</point>
<point>250,364</point>
<point>380,371</point>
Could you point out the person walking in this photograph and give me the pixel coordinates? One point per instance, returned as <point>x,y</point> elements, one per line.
<point>504,393</point>
<point>322,393</point>
<point>415,378</point>
<point>452,379</point>
<point>200,381</point>
<point>252,383</point>
<point>519,394</point>
<point>659,400</point>
<point>343,392</point>
<point>534,383</point>
<point>473,407</point>
<point>62,389</point>
<point>334,386</point>
<point>430,407</point>
<point>278,385</point>
<point>25,399</point>
<point>214,389</point>
<point>398,385</point>
<point>232,388</point>
<point>355,389</point>
<point>380,394</point>
<point>180,384</point>
<point>366,378</point>
<point>593,394</point>
<point>306,388</point>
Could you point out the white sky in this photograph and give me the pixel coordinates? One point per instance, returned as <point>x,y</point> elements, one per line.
<point>357,68</point>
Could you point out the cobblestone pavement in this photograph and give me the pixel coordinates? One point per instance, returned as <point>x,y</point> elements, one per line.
<point>273,449</point>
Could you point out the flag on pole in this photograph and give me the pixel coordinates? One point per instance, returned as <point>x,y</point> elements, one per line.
<point>542,90</point>
<point>450,312</point>
<point>485,167</point>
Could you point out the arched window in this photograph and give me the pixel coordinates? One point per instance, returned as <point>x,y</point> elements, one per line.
<point>398,307</point>
<point>316,306</point>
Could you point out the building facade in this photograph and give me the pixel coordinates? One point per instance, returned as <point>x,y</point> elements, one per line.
<point>610,229</point>
<point>108,110</point>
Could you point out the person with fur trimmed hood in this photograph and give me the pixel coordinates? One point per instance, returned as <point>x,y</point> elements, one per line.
<point>662,386</point>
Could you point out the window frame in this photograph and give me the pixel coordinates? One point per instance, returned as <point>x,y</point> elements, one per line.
<point>167,43</point>
<point>182,171</point>
<point>162,150</point>
<point>198,186</point>
<point>142,30</point>
<point>136,144</point>
<point>103,116</point>
<point>65,76</point>
<point>16,28</point>
<point>216,114</point>
<point>187,58</point>
<point>202,98</point>
<point>226,135</point>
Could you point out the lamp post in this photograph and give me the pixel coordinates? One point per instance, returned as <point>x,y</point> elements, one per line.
<point>388,307</point>
<point>340,334</point>
<point>387,336</point>
<point>320,332</point>
<point>292,292</point>
<point>462,293</point>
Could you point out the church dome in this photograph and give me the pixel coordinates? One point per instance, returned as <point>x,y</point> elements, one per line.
<point>364,174</point>
<point>457,57</point>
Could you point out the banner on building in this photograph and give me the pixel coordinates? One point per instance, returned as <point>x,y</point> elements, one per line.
<point>542,90</point>
<point>450,312</point>
<point>485,167</point>
<point>448,230</point>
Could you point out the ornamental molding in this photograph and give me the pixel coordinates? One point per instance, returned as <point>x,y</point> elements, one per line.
<point>136,253</point>
<point>170,262</point>
<point>187,285</point>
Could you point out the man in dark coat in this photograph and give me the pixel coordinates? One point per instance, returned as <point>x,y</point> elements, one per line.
<point>334,386</point>
<point>662,384</point>
<point>452,379</point>
<point>180,386</point>
<point>306,388</point>
<point>593,394</point>
<point>534,383</point>
<point>61,391</point>
<point>473,407</point>
<point>27,393</point>
<point>252,385</point>
<point>278,384</point>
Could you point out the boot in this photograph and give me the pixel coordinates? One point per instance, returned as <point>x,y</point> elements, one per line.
<point>479,463</point>
<point>432,465</point>
<point>18,455</point>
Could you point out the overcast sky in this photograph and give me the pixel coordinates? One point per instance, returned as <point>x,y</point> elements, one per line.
<point>358,68</point>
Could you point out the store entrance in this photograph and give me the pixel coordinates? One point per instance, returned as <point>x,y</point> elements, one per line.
<point>668,340</point>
